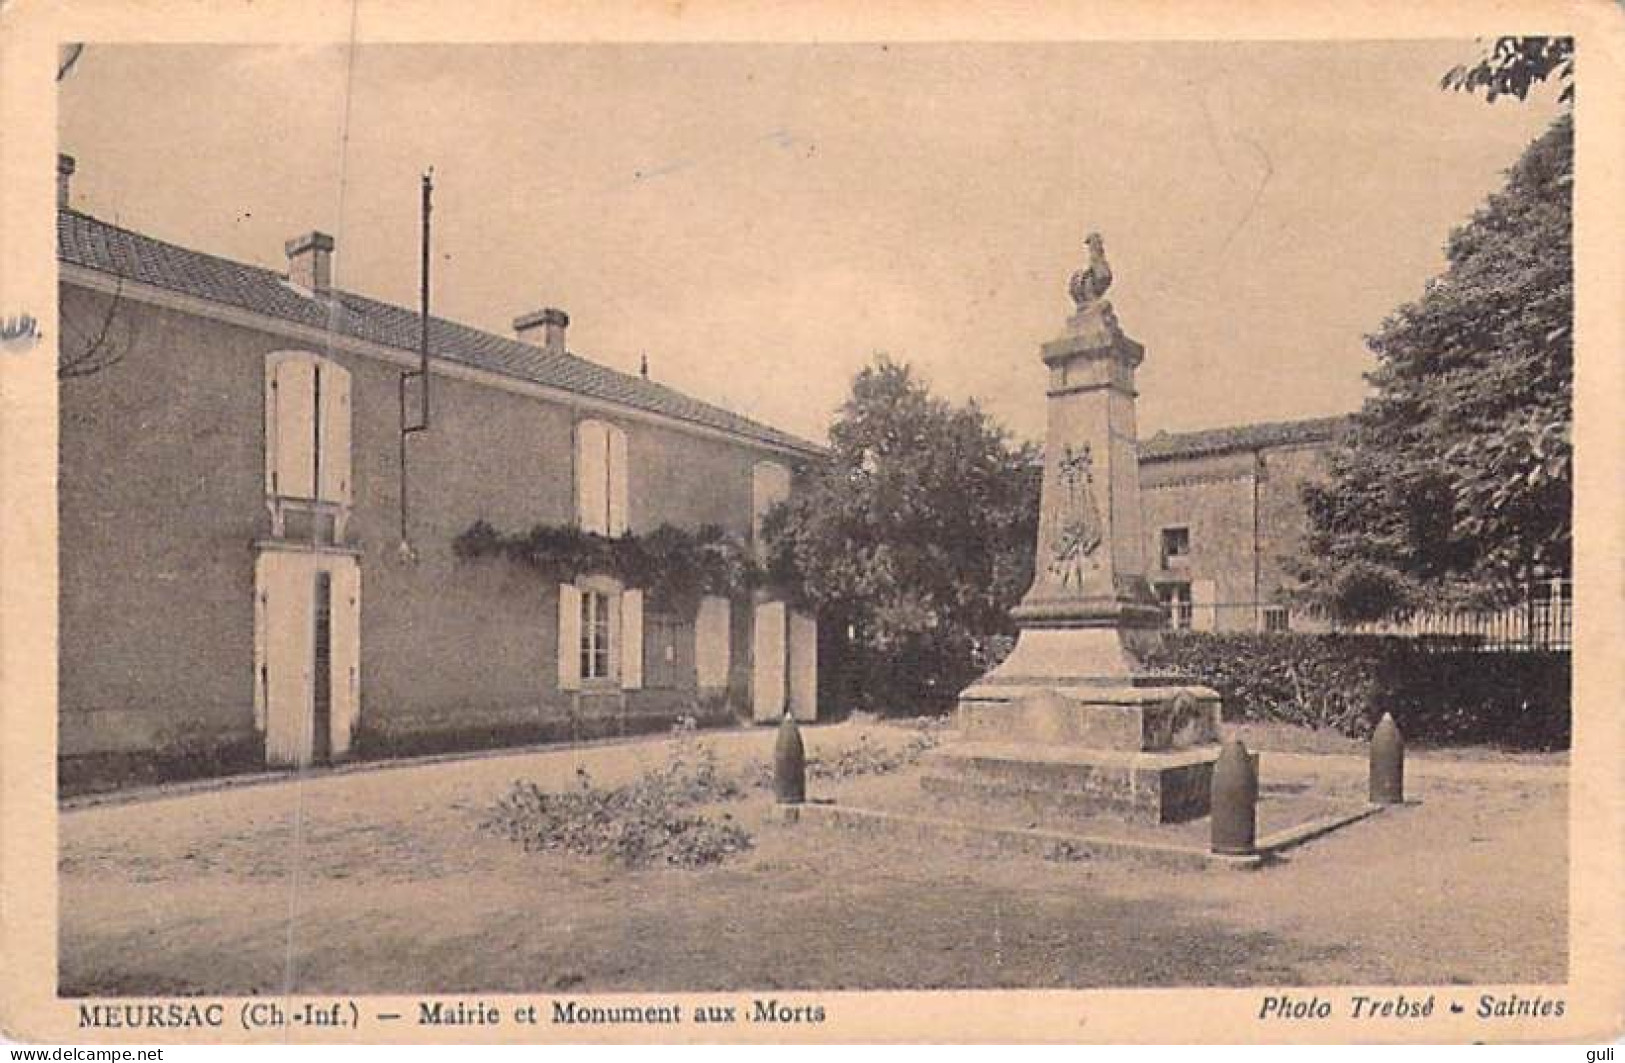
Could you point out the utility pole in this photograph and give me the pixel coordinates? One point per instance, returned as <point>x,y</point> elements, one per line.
<point>421,373</point>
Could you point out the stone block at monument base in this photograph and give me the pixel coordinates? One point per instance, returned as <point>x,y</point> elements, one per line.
<point>1130,719</point>
<point>1055,783</point>
<point>1142,752</point>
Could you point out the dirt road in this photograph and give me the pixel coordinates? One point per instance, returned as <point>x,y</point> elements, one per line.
<point>382,881</point>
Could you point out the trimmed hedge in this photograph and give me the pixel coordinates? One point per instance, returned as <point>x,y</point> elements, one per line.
<point>1438,694</point>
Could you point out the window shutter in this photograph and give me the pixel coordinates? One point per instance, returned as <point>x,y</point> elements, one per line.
<point>294,449</point>
<point>619,520</point>
<point>592,490</point>
<point>270,426</point>
<point>631,640</point>
<point>335,438</point>
<point>711,644</point>
<point>569,637</point>
<point>346,652</point>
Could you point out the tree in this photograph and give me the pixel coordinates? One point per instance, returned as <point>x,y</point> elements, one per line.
<point>86,351</point>
<point>917,535</point>
<point>95,347</point>
<point>1514,65</point>
<point>1455,483</point>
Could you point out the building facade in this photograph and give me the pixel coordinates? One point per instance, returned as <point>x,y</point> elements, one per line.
<point>1224,519</point>
<point>1225,525</point>
<point>257,564</point>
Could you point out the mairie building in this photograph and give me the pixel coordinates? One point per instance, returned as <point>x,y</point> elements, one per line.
<point>249,577</point>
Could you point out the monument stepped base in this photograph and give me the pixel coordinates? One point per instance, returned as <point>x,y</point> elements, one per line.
<point>1137,718</point>
<point>1141,747</point>
<point>1151,787</point>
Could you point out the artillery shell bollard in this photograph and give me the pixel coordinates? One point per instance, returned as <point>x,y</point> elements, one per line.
<point>789,764</point>
<point>1235,802</point>
<point>1387,763</point>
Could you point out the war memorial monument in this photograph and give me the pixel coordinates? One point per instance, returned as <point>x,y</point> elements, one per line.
<point>1074,720</point>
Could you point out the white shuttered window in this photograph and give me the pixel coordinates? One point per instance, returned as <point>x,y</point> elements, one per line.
<point>307,428</point>
<point>601,487</point>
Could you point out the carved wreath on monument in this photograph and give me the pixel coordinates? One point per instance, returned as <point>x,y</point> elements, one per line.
<point>1079,533</point>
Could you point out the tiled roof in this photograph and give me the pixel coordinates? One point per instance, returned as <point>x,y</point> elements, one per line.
<point>1165,446</point>
<point>94,244</point>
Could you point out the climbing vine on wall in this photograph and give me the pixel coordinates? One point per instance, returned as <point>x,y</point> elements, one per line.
<point>675,567</point>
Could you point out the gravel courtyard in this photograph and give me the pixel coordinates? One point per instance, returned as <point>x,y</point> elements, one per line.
<point>381,881</point>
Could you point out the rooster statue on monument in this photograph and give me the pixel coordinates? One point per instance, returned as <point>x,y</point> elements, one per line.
<point>1089,284</point>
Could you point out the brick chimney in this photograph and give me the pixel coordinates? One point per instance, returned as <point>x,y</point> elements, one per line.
<point>543,328</point>
<point>64,179</point>
<point>310,262</point>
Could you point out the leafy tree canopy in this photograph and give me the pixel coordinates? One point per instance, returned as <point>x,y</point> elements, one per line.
<point>918,534</point>
<point>1513,65</point>
<point>1456,478</point>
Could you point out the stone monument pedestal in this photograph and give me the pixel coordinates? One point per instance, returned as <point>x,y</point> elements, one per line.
<point>1073,722</point>
<point>1145,753</point>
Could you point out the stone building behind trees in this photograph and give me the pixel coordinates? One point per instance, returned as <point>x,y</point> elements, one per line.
<point>1224,524</point>
<point>1226,527</point>
<point>1224,521</point>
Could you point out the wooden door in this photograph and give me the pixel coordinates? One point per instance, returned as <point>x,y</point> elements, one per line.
<point>711,634</point>
<point>769,658</point>
<point>285,588</point>
<point>307,655</point>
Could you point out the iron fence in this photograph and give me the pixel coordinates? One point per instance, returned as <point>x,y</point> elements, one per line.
<point>1543,619</point>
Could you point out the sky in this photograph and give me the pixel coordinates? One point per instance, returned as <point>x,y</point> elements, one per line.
<point>762,220</point>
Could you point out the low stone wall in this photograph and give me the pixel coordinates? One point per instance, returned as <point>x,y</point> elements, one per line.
<point>87,773</point>
<point>572,720</point>
<point>382,736</point>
